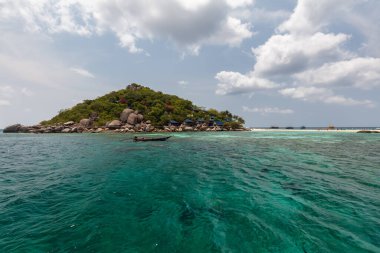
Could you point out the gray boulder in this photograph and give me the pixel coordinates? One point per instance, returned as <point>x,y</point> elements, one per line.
<point>125,114</point>
<point>24,129</point>
<point>66,130</point>
<point>69,123</point>
<point>86,123</point>
<point>149,128</point>
<point>188,128</point>
<point>12,129</point>
<point>58,129</point>
<point>132,119</point>
<point>114,124</point>
<point>140,118</point>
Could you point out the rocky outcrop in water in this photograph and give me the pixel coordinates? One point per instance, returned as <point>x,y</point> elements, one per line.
<point>12,129</point>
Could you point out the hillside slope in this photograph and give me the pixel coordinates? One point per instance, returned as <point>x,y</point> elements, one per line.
<point>156,106</point>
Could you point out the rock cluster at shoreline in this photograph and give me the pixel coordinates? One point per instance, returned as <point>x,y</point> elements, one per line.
<point>130,122</point>
<point>116,128</point>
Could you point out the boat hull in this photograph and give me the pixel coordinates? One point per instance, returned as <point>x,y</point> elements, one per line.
<point>141,139</point>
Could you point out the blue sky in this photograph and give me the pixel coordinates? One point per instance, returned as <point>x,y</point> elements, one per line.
<point>286,63</point>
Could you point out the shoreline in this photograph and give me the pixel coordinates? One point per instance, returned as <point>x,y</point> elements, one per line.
<point>258,130</point>
<point>306,130</point>
<point>316,130</point>
<point>117,126</point>
<point>144,127</point>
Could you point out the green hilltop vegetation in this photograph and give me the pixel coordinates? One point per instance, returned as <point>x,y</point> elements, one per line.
<point>156,106</point>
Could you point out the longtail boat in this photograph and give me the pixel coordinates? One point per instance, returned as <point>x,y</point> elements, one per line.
<point>136,139</point>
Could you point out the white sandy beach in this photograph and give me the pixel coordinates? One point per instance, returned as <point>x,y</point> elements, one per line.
<point>310,130</point>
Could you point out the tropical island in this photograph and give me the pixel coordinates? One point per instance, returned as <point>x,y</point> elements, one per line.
<point>135,109</point>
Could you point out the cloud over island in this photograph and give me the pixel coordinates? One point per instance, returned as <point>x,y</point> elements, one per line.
<point>188,24</point>
<point>307,57</point>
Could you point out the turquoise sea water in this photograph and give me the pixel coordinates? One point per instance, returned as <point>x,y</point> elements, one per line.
<point>198,192</point>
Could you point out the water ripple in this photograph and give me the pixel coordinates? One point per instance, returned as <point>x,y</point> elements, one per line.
<point>198,192</point>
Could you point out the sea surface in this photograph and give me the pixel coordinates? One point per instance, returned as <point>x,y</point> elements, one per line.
<point>198,192</point>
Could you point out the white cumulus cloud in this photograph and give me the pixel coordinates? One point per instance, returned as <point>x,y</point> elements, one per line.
<point>288,53</point>
<point>83,72</point>
<point>268,110</point>
<point>358,72</point>
<point>234,82</point>
<point>311,16</point>
<point>309,56</point>
<point>189,24</point>
<point>239,3</point>
<point>314,94</point>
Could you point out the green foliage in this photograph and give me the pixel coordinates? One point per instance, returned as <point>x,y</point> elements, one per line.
<point>232,125</point>
<point>157,107</point>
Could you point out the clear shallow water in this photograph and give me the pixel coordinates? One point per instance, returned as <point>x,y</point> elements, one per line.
<point>198,192</point>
